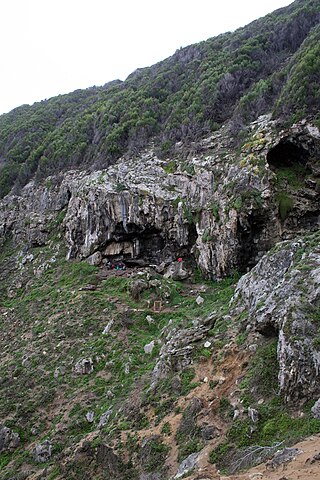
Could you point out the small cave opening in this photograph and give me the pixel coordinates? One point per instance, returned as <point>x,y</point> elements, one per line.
<point>192,235</point>
<point>252,244</point>
<point>288,155</point>
<point>268,329</point>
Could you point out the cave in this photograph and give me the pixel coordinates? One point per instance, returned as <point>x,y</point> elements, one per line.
<point>268,329</point>
<point>138,245</point>
<point>135,245</point>
<point>286,155</point>
<point>251,243</point>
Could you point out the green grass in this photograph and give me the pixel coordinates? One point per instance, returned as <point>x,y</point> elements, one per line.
<point>285,203</point>
<point>294,176</point>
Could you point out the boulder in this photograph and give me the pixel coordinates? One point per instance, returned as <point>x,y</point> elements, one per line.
<point>187,465</point>
<point>42,452</point>
<point>282,457</point>
<point>84,366</point>
<point>148,348</point>
<point>94,259</point>
<point>176,272</point>
<point>9,440</point>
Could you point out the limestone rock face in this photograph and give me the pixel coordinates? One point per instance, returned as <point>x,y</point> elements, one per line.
<point>315,410</point>
<point>282,297</point>
<point>225,215</point>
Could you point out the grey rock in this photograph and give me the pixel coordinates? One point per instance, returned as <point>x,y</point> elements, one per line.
<point>149,319</point>
<point>236,414</point>
<point>9,440</point>
<point>127,367</point>
<point>137,286</point>
<point>84,366</point>
<point>94,259</point>
<point>148,348</point>
<point>176,353</point>
<point>42,452</point>
<point>104,418</point>
<point>108,327</point>
<point>278,297</point>
<point>253,414</point>
<point>176,272</point>
<point>281,457</point>
<point>98,217</point>
<point>315,410</point>
<point>90,416</point>
<point>199,300</point>
<point>187,465</point>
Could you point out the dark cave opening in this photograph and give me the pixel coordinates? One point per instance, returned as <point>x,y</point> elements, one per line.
<point>135,245</point>
<point>268,329</point>
<point>251,244</point>
<point>287,155</point>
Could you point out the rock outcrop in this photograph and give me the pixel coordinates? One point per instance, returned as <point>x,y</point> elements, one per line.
<point>282,297</point>
<point>225,214</point>
<point>9,440</point>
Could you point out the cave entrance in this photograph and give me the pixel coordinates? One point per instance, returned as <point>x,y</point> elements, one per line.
<point>289,161</point>
<point>252,244</point>
<point>135,245</point>
<point>287,154</point>
<point>268,329</point>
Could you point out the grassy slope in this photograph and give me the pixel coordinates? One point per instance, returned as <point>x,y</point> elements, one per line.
<point>49,322</point>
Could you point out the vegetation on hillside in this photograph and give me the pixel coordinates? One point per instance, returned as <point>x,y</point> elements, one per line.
<point>233,76</point>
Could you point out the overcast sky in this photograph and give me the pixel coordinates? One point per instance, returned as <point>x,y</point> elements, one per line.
<point>57,46</point>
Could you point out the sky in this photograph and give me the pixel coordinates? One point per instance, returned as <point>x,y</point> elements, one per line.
<point>51,47</point>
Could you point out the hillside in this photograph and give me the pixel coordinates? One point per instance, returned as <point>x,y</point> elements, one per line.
<point>160,267</point>
<point>270,65</point>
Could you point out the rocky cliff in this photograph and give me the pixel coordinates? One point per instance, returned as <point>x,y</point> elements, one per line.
<point>222,210</point>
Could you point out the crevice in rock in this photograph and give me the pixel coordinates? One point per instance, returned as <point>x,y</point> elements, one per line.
<point>251,243</point>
